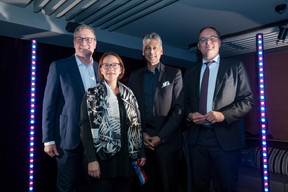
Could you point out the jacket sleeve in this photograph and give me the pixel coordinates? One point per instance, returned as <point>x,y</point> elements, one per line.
<point>85,132</point>
<point>50,102</point>
<point>243,101</point>
<point>187,92</point>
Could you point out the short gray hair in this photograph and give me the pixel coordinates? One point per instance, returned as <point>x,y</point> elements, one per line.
<point>83,26</point>
<point>148,37</point>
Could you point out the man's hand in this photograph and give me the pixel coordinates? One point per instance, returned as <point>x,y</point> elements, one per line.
<point>51,150</point>
<point>214,117</point>
<point>155,141</point>
<point>147,141</point>
<point>197,118</point>
<point>151,142</point>
<point>94,169</point>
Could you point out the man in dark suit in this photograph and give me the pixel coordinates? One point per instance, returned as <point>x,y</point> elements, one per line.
<point>215,133</point>
<point>158,89</point>
<point>67,81</point>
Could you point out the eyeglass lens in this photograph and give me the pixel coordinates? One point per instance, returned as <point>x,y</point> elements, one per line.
<point>113,65</point>
<point>87,39</point>
<point>211,38</point>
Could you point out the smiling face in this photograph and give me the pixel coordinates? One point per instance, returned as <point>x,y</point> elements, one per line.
<point>209,44</point>
<point>84,48</point>
<point>110,69</point>
<point>152,52</point>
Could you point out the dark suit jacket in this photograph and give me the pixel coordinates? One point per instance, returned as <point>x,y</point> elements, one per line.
<point>61,105</point>
<point>167,108</point>
<point>233,97</point>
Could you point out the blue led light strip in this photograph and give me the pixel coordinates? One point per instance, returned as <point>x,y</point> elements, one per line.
<point>32,116</point>
<point>263,118</point>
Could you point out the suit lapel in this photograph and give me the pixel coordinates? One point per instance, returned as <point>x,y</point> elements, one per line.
<point>160,79</point>
<point>95,67</point>
<point>220,76</point>
<point>140,84</point>
<point>74,70</point>
<point>198,80</point>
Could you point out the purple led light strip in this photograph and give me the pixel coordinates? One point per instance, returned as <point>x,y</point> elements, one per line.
<point>32,116</point>
<point>263,121</point>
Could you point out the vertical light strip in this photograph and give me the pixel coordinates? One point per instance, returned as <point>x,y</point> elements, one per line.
<point>32,116</point>
<point>263,118</point>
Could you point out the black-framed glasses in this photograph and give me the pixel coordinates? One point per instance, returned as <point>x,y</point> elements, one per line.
<point>212,38</point>
<point>108,65</point>
<point>87,39</point>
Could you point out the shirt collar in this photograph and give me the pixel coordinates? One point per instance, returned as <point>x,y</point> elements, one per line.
<point>158,68</point>
<point>216,59</point>
<point>79,62</point>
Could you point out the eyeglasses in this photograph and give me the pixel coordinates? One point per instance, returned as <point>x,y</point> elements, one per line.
<point>108,65</point>
<point>212,38</point>
<point>87,39</point>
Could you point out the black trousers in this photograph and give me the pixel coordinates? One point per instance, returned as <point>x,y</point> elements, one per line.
<point>162,171</point>
<point>208,160</point>
<point>70,172</point>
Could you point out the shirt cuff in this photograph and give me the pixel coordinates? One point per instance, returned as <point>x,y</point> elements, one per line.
<point>49,143</point>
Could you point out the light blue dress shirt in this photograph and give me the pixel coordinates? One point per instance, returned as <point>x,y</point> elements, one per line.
<point>213,67</point>
<point>87,74</point>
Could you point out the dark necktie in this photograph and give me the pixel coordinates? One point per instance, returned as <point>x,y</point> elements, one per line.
<point>204,89</point>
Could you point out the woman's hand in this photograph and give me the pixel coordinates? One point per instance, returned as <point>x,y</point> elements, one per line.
<point>142,162</point>
<point>94,169</point>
